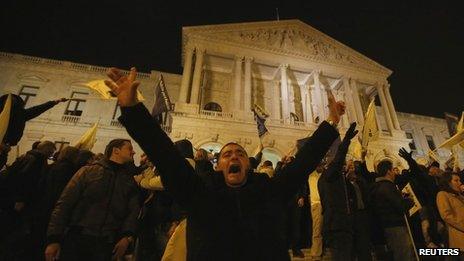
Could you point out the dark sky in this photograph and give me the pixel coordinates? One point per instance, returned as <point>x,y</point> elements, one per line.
<point>422,44</point>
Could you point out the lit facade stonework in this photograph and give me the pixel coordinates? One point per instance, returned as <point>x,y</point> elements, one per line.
<point>284,67</point>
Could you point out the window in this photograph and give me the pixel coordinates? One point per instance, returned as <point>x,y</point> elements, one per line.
<point>116,112</point>
<point>76,104</point>
<point>212,106</point>
<point>412,144</point>
<point>430,142</point>
<point>28,92</point>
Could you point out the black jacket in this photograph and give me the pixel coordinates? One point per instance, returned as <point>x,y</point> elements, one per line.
<point>387,203</point>
<point>26,173</point>
<point>101,198</point>
<point>230,223</point>
<point>336,194</point>
<point>18,122</point>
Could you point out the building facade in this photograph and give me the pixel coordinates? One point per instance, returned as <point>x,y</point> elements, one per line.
<point>284,67</point>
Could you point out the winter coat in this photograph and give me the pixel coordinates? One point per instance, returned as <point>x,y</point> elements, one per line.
<point>451,208</point>
<point>227,223</point>
<point>101,198</point>
<point>336,194</point>
<point>387,203</point>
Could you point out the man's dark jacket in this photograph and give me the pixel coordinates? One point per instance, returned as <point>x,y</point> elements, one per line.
<point>387,203</point>
<point>24,177</point>
<point>101,199</point>
<point>20,116</point>
<point>230,223</point>
<point>336,194</point>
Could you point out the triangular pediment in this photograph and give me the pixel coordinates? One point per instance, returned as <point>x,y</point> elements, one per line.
<point>32,78</point>
<point>289,37</point>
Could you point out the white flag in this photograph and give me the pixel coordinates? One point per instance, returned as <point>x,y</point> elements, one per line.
<point>370,125</point>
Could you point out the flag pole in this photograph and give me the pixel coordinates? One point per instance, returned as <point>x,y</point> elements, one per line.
<point>411,237</point>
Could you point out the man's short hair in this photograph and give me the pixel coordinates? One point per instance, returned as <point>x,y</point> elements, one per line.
<point>46,145</point>
<point>383,167</point>
<point>116,143</point>
<point>230,143</point>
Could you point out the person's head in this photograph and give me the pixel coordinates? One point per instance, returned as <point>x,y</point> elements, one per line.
<point>450,182</point>
<point>350,170</point>
<point>84,157</point>
<point>185,148</point>
<point>120,151</point>
<point>267,164</point>
<point>435,171</point>
<point>234,163</point>
<point>68,153</point>
<point>35,144</point>
<point>385,169</point>
<point>47,148</point>
<point>201,154</point>
<point>396,170</point>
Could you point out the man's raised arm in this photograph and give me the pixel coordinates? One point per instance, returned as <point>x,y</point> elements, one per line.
<point>177,175</point>
<point>312,152</point>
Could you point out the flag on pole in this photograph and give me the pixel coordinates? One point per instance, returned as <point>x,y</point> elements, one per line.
<point>87,140</point>
<point>433,155</point>
<point>260,120</point>
<point>460,125</point>
<point>105,92</point>
<point>355,149</point>
<point>5,117</point>
<point>370,125</point>
<point>417,205</point>
<point>162,102</point>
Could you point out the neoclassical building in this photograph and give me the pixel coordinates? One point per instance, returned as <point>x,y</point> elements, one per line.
<point>285,67</point>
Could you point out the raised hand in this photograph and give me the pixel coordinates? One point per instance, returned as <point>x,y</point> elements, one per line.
<point>124,87</point>
<point>336,109</point>
<point>405,154</point>
<point>351,132</point>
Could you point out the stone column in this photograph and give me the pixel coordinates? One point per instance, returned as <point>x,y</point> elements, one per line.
<point>247,91</point>
<point>284,92</point>
<point>383,102</point>
<point>318,88</point>
<point>308,110</point>
<point>237,82</point>
<point>391,107</point>
<point>194,98</point>
<point>350,107</point>
<point>357,102</point>
<point>186,75</point>
<point>276,101</point>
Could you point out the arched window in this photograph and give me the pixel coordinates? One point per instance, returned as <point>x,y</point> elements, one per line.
<point>212,106</point>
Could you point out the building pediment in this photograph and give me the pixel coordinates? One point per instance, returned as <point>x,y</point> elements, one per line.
<point>289,37</point>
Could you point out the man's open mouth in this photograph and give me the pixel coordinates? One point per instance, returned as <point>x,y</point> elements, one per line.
<point>234,168</point>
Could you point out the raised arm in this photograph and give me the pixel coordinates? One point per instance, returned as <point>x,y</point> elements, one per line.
<point>177,176</point>
<point>335,167</point>
<point>311,153</point>
<point>32,112</point>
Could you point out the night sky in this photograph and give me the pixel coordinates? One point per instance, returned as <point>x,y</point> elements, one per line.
<point>422,44</point>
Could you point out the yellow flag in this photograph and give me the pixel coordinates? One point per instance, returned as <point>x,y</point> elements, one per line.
<point>454,140</point>
<point>355,149</point>
<point>5,117</point>
<point>370,125</point>
<point>89,138</point>
<point>105,92</point>
<point>460,125</point>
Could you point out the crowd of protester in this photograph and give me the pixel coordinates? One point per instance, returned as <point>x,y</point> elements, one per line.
<point>182,203</point>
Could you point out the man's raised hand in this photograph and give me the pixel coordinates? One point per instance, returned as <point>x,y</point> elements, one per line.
<point>405,154</point>
<point>351,132</point>
<point>336,108</point>
<point>124,87</point>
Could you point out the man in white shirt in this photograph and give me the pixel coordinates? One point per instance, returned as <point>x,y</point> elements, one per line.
<point>316,213</point>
